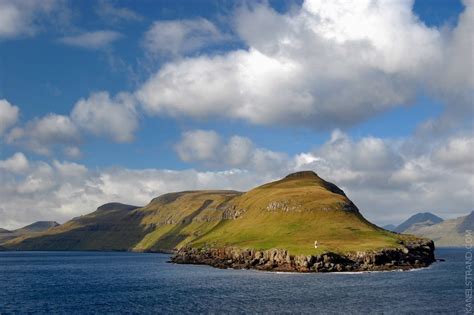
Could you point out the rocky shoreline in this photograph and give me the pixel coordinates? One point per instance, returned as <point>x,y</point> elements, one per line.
<point>410,255</point>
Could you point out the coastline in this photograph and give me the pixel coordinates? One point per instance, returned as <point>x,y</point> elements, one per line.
<point>409,256</point>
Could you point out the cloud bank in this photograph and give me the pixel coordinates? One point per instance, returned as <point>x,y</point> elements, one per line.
<point>326,64</point>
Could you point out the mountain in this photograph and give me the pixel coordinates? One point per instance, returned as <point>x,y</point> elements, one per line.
<point>35,227</point>
<point>110,227</point>
<point>291,214</point>
<point>447,233</point>
<point>420,220</point>
<point>38,226</point>
<point>389,227</point>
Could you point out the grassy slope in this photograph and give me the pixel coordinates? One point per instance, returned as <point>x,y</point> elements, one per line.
<point>291,213</point>
<point>180,217</point>
<point>307,211</point>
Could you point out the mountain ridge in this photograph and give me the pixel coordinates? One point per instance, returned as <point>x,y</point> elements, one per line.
<point>35,227</point>
<point>422,218</point>
<point>448,233</point>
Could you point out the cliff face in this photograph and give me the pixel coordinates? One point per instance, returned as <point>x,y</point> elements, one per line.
<point>410,255</point>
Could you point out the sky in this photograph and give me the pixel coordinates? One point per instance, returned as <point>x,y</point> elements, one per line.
<point>122,101</point>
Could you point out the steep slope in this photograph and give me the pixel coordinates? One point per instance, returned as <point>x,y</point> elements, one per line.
<point>289,214</point>
<point>418,220</point>
<point>35,227</point>
<point>447,233</point>
<point>177,218</point>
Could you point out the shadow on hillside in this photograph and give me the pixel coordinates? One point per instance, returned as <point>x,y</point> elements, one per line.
<point>172,238</point>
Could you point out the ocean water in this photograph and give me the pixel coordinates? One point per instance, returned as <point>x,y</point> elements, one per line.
<point>93,282</point>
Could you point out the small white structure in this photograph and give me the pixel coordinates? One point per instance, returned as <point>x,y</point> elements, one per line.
<point>315,244</point>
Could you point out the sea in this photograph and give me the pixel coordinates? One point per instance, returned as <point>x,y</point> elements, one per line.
<point>146,283</point>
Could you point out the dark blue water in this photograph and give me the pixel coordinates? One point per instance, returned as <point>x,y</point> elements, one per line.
<point>89,282</point>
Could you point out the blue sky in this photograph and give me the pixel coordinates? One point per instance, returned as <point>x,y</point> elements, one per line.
<point>401,98</point>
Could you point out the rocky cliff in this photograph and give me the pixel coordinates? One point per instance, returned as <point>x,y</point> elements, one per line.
<point>410,255</point>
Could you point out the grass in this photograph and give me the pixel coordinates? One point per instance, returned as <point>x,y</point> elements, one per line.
<point>337,231</point>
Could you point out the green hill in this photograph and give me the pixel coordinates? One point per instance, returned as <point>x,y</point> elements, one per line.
<point>291,214</point>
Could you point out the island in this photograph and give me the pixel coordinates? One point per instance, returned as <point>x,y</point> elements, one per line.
<point>299,223</point>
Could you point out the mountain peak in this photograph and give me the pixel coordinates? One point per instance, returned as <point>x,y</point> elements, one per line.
<point>312,177</point>
<point>40,226</point>
<point>302,174</point>
<point>116,206</point>
<point>425,218</point>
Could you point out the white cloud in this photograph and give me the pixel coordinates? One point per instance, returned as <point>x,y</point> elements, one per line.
<point>69,169</point>
<point>8,115</point>
<point>113,14</point>
<point>238,150</point>
<point>102,115</point>
<point>457,153</point>
<point>54,128</point>
<point>72,152</point>
<point>17,163</point>
<point>209,148</point>
<point>177,37</point>
<point>25,17</point>
<point>40,134</point>
<point>327,64</point>
<point>199,145</point>
<point>92,40</point>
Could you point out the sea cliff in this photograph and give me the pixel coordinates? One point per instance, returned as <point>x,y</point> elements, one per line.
<point>415,254</point>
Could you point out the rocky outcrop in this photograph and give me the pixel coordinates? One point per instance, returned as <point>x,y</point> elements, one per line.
<point>409,255</point>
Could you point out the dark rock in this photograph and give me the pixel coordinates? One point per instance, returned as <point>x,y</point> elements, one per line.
<point>411,255</point>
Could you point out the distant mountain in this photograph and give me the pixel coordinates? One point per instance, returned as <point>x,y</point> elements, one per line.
<point>389,227</point>
<point>37,227</point>
<point>417,221</point>
<point>467,223</point>
<point>447,233</point>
